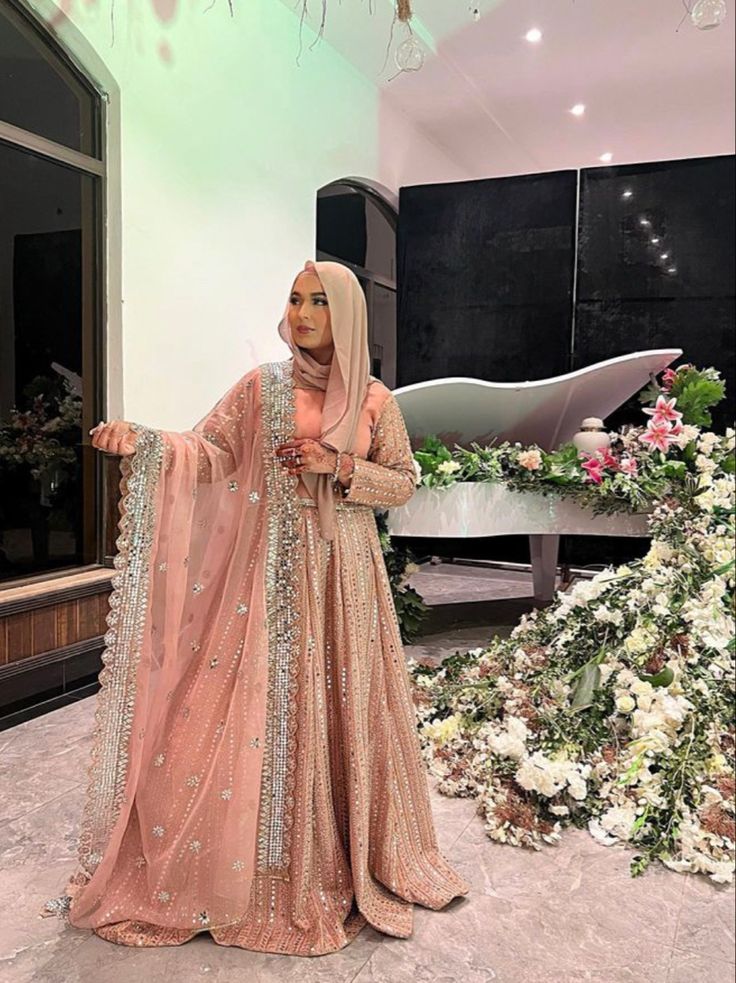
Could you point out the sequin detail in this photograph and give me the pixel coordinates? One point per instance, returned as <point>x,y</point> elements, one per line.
<point>388,479</point>
<point>116,698</point>
<point>282,616</point>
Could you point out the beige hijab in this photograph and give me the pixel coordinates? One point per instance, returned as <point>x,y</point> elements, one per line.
<point>344,380</point>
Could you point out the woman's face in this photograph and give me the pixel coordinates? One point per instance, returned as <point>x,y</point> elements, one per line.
<point>309,313</point>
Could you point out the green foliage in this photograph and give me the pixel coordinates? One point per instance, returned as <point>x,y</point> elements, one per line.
<point>697,391</point>
<point>411,610</point>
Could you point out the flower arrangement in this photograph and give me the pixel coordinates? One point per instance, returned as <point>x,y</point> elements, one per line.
<point>613,709</point>
<point>43,435</point>
<point>642,466</point>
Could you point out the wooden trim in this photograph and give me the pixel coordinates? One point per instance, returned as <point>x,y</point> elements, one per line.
<point>21,666</point>
<point>14,600</point>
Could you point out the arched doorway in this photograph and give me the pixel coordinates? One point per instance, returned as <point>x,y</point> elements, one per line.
<point>356,225</point>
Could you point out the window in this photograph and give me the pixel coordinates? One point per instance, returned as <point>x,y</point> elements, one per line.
<point>356,225</point>
<point>51,173</point>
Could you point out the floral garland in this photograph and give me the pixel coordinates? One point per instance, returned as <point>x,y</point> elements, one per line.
<point>613,709</point>
<point>642,466</point>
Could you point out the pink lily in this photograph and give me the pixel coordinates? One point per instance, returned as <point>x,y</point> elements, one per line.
<point>629,465</point>
<point>607,459</point>
<point>663,409</point>
<point>668,377</point>
<point>593,468</point>
<point>658,435</point>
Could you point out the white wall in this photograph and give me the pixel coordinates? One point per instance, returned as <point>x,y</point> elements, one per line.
<point>221,144</point>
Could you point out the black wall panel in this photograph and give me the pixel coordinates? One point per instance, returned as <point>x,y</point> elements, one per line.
<point>656,264</point>
<point>485,272</point>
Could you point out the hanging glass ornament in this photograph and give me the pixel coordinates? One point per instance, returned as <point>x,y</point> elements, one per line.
<point>707,14</point>
<point>409,55</point>
<point>403,10</point>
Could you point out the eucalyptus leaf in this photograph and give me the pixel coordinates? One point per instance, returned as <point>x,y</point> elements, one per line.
<point>590,680</point>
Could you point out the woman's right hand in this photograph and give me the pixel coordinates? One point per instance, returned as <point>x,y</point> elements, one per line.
<point>114,437</point>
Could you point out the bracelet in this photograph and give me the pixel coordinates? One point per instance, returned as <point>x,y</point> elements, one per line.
<point>335,474</point>
<point>335,477</point>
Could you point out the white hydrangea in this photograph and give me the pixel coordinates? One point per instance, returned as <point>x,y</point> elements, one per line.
<point>609,616</point>
<point>686,436</point>
<point>639,640</point>
<point>508,740</point>
<point>442,731</point>
<point>548,776</point>
<point>614,824</point>
<point>708,442</point>
<point>658,554</point>
<point>705,464</point>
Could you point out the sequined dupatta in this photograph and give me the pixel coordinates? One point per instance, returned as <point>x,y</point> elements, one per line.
<point>190,789</point>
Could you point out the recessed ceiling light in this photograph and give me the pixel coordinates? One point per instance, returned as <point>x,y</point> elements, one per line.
<point>645,222</point>
<point>578,109</point>
<point>534,36</point>
<point>606,158</point>
<point>664,256</point>
<point>655,240</point>
<point>628,193</point>
<point>672,269</point>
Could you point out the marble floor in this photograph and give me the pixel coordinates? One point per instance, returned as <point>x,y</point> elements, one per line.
<point>569,913</point>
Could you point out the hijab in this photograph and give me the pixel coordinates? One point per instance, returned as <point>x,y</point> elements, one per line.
<point>344,380</point>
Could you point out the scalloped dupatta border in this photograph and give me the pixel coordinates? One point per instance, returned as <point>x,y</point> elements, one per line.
<point>282,615</point>
<point>126,618</point>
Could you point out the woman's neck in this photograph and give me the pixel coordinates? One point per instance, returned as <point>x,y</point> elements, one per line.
<point>323,355</point>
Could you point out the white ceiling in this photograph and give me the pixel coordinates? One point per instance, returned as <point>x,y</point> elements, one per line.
<point>499,105</point>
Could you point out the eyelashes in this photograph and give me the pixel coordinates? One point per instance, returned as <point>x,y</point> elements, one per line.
<point>320,301</point>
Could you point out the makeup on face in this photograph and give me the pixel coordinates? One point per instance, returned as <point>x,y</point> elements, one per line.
<point>309,313</point>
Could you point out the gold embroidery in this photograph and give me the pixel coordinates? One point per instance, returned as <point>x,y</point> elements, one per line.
<point>388,477</point>
<point>116,698</point>
<point>284,536</point>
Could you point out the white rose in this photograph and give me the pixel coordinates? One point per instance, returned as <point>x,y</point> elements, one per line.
<point>625,703</point>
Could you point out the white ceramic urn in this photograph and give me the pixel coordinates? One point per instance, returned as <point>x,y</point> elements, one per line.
<point>592,436</point>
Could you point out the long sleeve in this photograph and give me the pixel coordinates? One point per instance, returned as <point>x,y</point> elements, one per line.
<point>387,477</point>
<point>220,435</point>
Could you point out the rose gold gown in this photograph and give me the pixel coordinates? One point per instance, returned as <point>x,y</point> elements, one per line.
<point>363,843</point>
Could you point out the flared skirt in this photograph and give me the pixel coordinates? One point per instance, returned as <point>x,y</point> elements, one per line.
<point>364,847</point>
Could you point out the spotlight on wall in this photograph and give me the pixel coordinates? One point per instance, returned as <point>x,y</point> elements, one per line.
<point>578,109</point>
<point>533,36</point>
<point>606,158</point>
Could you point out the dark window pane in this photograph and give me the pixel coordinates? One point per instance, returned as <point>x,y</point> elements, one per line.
<point>485,278</point>
<point>354,227</point>
<point>382,312</point>
<point>40,91</point>
<point>656,265</point>
<point>48,303</point>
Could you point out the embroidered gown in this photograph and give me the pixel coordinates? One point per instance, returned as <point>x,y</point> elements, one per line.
<point>362,842</point>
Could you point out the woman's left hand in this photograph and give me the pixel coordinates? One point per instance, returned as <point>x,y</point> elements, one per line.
<point>306,454</point>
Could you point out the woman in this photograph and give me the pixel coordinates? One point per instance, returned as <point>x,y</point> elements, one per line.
<point>256,770</point>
